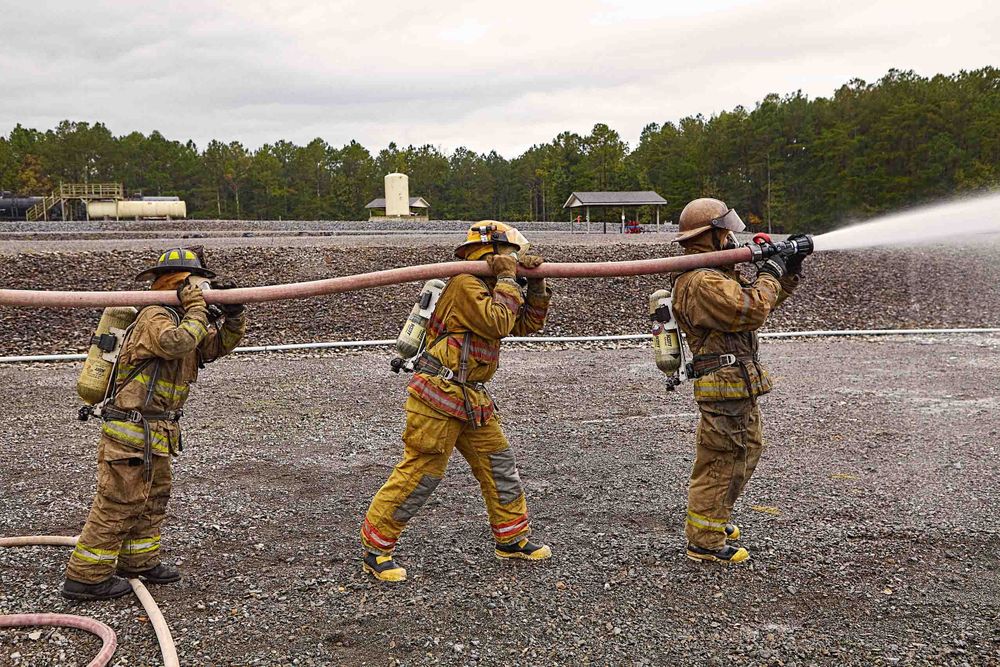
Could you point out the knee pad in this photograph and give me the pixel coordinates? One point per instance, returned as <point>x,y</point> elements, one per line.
<point>413,502</point>
<point>505,476</point>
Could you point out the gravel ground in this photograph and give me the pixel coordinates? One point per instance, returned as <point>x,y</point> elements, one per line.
<point>869,519</point>
<point>161,226</point>
<point>876,288</point>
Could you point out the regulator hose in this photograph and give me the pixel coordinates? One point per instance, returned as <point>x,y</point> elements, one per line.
<point>160,627</point>
<point>70,299</point>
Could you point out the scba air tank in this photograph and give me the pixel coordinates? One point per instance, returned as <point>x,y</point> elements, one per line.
<point>666,335</point>
<point>104,348</point>
<point>411,338</point>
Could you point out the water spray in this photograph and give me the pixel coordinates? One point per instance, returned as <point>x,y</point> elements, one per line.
<point>947,222</point>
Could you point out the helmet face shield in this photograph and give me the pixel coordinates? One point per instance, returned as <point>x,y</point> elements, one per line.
<point>729,220</point>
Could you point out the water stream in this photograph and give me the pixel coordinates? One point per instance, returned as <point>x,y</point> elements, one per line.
<point>952,222</point>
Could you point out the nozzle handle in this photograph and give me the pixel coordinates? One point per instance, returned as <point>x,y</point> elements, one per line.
<point>799,244</point>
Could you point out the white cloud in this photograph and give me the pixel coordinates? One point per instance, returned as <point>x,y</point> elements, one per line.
<point>450,73</point>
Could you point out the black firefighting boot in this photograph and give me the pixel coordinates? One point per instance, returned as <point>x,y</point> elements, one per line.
<point>728,555</point>
<point>109,589</point>
<point>523,549</point>
<point>732,531</point>
<point>158,574</point>
<point>382,568</point>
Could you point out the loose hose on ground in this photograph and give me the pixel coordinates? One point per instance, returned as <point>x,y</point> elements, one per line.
<point>107,635</point>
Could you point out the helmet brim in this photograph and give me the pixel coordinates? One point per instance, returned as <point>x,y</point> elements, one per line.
<point>157,271</point>
<point>467,247</point>
<point>691,233</point>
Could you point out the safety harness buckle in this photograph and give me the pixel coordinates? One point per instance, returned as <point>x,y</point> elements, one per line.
<point>726,360</point>
<point>446,373</point>
<point>105,342</point>
<point>134,416</point>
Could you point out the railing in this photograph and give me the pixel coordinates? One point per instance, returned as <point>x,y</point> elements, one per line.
<point>40,209</point>
<point>84,191</point>
<point>90,190</point>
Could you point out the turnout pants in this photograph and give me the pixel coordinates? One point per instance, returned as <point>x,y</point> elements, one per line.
<point>428,441</point>
<point>729,444</point>
<point>123,527</point>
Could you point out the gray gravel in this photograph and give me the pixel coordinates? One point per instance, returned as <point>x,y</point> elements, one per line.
<point>870,520</point>
<point>263,226</point>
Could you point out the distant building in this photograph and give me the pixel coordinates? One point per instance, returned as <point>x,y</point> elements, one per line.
<point>614,200</point>
<point>376,210</point>
<point>397,202</point>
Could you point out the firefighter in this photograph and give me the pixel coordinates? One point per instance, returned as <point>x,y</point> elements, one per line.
<point>448,406</point>
<point>158,362</point>
<point>720,312</point>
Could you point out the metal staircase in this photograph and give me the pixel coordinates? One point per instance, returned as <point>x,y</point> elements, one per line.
<point>69,192</point>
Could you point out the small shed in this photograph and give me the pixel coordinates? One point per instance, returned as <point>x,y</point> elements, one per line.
<point>621,200</point>
<point>415,202</point>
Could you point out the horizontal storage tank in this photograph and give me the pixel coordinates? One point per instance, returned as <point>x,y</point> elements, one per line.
<point>16,207</point>
<point>130,208</point>
<point>102,209</point>
<point>174,198</point>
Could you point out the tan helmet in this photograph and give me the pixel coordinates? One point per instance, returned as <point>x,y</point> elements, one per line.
<point>702,215</point>
<point>486,236</point>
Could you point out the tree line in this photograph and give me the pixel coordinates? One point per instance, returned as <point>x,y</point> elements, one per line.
<point>801,164</point>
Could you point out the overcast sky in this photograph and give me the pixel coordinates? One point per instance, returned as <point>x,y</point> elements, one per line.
<point>488,75</point>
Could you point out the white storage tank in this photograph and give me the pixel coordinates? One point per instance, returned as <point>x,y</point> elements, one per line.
<point>130,208</point>
<point>397,195</point>
<point>102,209</point>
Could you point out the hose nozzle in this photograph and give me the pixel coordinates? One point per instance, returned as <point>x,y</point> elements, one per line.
<point>798,244</point>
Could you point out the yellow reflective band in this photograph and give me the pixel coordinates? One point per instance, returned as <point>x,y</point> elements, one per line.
<point>94,555</point>
<point>198,332</point>
<point>162,258</point>
<point>174,254</point>
<point>134,434</point>
<point>141,546</point>
<point>705,522</point>
<point>188,254</point>
<point>168,390</point>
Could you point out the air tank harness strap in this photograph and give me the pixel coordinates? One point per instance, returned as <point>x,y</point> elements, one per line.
<point>430,365</point>
<point>113,414</point>
<point>703,364</point>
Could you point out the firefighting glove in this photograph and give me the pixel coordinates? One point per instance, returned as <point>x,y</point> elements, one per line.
<point>190,295</point>
<point>535,285</point>
<point>794,262</point>
<point>774,266</point>
<point>502,266</point>
<point>228,309</point>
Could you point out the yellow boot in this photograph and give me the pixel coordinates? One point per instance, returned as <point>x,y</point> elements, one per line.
<point>383,568</point>
<point>524,550</point>
<point>727,555</point>
<point>732,531</point>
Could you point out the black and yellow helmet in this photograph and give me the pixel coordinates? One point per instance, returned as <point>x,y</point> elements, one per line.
<point>176,260</point>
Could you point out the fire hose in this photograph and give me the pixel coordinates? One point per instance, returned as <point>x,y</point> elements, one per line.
<point>107,635</point>
<point>72,299</point>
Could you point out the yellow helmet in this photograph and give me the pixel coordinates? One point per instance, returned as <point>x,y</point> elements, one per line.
<point>486,236</point>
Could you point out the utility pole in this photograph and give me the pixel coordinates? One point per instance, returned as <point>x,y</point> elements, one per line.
<point>769,193</point>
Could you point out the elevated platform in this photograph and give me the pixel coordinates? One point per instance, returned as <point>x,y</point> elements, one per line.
<point>67,193</point>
